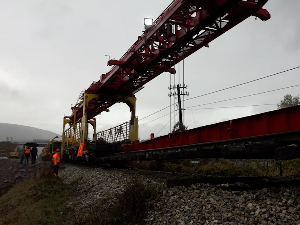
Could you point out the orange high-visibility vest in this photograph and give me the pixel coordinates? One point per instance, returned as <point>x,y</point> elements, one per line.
<point>80,149</point>
<point>27,150</point>
<point>56,158</point>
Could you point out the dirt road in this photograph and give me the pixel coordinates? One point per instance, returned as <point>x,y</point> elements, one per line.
<point>12,172</point>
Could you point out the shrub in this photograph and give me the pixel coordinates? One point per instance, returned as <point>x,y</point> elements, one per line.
<point>130,208</point>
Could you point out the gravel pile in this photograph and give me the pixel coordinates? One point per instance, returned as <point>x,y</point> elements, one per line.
<point>98,184</point>
<point>206,204</point>
<point>198,204</point>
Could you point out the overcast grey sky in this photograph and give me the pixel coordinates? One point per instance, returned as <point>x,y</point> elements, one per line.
<point>50,51</point>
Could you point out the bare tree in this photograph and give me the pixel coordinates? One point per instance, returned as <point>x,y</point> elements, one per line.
<point>288,101</point>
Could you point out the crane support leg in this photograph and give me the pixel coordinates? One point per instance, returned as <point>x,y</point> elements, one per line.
<point>64,138</point>
<point>133,125</point>
<point>93,123</point>
<point>84,120</point>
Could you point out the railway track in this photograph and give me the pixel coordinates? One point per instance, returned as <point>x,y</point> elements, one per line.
<point>225,183</point>
<point>204,200</point>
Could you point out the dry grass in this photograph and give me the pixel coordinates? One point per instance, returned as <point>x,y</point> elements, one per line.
<point>224,167</point>
<point>36,201</point>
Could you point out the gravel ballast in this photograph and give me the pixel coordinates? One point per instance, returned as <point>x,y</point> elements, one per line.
<point>197,204</point>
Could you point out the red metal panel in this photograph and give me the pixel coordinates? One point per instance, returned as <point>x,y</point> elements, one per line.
<point>273,122</point>
<point>193,136</point>
<point>278,123</point>
<point>294,119</point>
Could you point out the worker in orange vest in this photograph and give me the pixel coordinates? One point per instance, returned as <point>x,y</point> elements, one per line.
<point>80,150</point>
<point>27,151</point>
<point>56,161</point>
<point>152,136</point>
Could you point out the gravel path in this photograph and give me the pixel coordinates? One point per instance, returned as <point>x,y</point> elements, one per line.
<point>198,204</point>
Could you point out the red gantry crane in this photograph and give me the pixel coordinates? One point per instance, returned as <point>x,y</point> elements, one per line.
<point>184,27</point>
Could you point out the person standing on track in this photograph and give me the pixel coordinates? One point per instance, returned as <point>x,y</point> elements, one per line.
<point>33,152</point>
<point>56,161</point>
<point>22,155</point>
<point>27,151</point>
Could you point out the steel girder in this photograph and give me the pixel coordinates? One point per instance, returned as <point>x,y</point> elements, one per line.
<point>182,29</point>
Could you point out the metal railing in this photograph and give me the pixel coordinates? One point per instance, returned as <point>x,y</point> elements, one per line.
<point>74,135</point>
<point>33,140</point>
<point>115,134</point>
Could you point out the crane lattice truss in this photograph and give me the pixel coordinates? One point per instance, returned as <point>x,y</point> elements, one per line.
<point>184,27</point>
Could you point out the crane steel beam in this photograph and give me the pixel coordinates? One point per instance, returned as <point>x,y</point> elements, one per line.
<point>184,27</point>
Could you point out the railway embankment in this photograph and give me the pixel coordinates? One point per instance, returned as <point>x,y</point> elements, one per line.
<point>196,204</point>
<point>12,172</point>
<point>114,196</point>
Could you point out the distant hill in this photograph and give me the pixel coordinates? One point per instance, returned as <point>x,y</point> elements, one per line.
<point>19,132</point>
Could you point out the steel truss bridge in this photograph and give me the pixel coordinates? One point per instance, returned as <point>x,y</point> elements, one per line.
<point>40,142</point>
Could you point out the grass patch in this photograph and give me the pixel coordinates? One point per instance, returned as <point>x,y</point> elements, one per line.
<point>224,167</point>
<point>135,200</point>
<point>36,201</point>
<point>235,167</point>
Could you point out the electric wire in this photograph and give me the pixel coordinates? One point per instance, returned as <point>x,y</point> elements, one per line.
<point>241,84</point>
<point>225,107</point>
<point>224,89</point>
<point>246,96</point>
<point>193,114</point>
<point>166,125</point>
<point>156,119</point>
<point>229,107</point>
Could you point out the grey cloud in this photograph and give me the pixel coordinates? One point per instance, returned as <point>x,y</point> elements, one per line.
<point>8,91</point>
<point>58,47</point>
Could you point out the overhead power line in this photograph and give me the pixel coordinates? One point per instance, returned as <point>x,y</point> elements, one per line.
<point>224,89</point>
<point>247,82</point>
<point>229,107</point>
<point>246,96</point>
<point>224,107</point>
<point>166,124</point>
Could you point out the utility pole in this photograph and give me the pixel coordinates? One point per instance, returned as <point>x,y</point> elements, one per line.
<point>181,126</point>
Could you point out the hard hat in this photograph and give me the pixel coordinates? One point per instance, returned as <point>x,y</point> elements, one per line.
<point>58,150</point>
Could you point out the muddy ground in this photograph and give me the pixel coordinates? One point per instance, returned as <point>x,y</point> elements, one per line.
<point>12,172</point>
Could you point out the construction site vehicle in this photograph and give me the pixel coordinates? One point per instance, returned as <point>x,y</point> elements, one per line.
<point>6,149</point>
<point>3,153</point>
<point>14,154</point>
<point>49,149</point>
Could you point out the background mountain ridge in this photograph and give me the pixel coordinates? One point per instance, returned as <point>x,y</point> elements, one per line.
<point>20,132</point>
